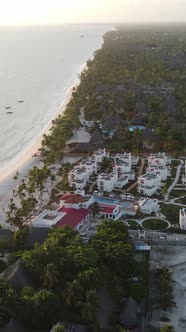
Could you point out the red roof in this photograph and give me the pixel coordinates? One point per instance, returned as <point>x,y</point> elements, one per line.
<point>73,217</point>
<point>72,198</point>
<point>107,208</point>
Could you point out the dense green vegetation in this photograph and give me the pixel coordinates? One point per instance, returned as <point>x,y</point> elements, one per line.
<point>165,282</point>
<point>68,275</point>
<point>134,65</point>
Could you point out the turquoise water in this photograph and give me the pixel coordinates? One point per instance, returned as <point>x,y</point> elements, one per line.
<point>126,204</point>
<point>132,128</point>
<point>107,201</point>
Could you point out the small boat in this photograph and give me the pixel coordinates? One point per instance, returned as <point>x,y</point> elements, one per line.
<point>9,112</point>
<point>8,107</point>
<point>82,36</point>
<point>21,101</point>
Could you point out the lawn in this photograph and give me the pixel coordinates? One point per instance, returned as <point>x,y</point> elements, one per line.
<point>155,224</point>
<point>63,185</point>
<point>132,223</point>
<point>177,193</point>
<point>171,213</point>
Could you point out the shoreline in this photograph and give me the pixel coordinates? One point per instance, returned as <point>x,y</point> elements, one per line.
<point>27,154</point>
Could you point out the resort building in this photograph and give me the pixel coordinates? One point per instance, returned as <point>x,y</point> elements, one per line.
<point>107,182</point>
<point>158,159</point>
<point>48,219</point>
<point>135,160</point>
<point>159,169</point>
<point>78,177</point>
<point>90,164</point>
<point>76,201</point>
<point>150,180</point>
<point>147,190</point>
<point>73,211</point>
<point>126,157</point>
<point>74,218</point>
<point>182,219</point>
<point>78,184</point>
<point>130,175</point>
<point>100,155</point>
<point>121,167</point>
<point>148,206</point>
<point>111,212</point>
<point>121,182</point>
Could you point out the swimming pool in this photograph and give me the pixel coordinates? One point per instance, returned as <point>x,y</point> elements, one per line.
<point>126,205</point>
<point>103,200</point>
<point>132,128</point>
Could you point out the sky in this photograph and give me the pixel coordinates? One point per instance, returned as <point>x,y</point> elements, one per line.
<point>87,11</point>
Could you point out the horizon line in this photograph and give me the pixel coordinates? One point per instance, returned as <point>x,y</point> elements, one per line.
<point>95,23</point>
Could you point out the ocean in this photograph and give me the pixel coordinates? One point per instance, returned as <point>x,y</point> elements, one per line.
<point>38,65</point>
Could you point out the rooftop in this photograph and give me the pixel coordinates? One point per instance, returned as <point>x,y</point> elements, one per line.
<point>107,208</point>
<point>106,177</point>
<point>79,170</point>
<point>72,198</point>
<point>147,187</point>
<point>148,176</point>
<point>47,218</point>
<point>72,217</point>
<point>159,155</point>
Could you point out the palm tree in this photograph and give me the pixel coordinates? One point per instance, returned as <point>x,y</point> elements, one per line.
<point>88,306</point>
<point>95,209</point>
<point>73,292</point>
<point>167,328</point>
<point>50,276</point>
<point>58,328</point>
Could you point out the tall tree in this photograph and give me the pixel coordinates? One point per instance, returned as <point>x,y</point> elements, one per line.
<point>50,276</point>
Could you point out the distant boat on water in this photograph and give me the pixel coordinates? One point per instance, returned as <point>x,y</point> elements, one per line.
<point>21,101</point>
<point>82,36</point>
<point>8,107</point>
<point>9,112</point>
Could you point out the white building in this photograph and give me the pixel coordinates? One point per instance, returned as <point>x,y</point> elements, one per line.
<point>150,180</point>
<point>147,190</point>
<point>121,182</point>
<point>79,173</point>
<point>158,159</point>
<point>184,177</point>
<point>182,218</point>
<point>126,157</point>
<point>130,175</point>
<point>90,164</point>
<point>48,219</point>
<point>100,155</point>
<point>135,160</point>
<point>75,201</point>
<point>111,212</point>
<point>78,184</point>
<point>107,182</point>
<point>148,206</point>
<point>121,167</point>
<point>158,169</point>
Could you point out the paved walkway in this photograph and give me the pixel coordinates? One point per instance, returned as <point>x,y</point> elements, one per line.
<point>140,172</point>
<point>179,167</point>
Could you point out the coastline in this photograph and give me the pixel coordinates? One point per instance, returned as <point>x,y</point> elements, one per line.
<point>26,155</point>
